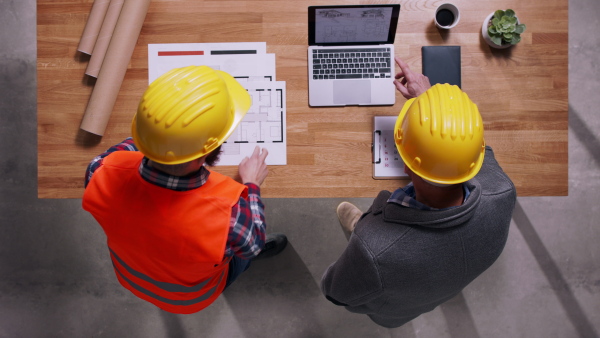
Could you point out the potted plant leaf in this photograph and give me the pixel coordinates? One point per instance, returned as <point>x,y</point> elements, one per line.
<point>502,29</point>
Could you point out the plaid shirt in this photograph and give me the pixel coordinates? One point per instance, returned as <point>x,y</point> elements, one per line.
<point>407,197</point>
<point>247,226</point>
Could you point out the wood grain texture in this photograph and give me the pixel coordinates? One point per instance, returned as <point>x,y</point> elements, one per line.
<point>521,92</point>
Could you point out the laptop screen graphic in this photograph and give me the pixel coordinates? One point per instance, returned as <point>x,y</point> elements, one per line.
<point>347,25</point>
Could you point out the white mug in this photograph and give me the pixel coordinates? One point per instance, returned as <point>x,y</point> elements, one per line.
<point>446,16</point>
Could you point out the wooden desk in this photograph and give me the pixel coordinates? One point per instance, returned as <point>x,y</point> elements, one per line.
<point>521,92</point>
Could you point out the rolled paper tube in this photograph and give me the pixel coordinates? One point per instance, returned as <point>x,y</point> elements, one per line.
<point>121,46</point>
<point>92,26</point>
<point>104,36</point>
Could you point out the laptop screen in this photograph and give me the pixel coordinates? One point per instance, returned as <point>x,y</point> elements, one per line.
<point>352,25</point>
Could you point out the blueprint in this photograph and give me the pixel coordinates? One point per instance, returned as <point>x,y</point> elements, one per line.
<point>264,125</point>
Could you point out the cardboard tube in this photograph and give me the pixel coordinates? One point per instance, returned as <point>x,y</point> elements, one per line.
<point>103,39</point>
<point>92,26</point>
<point>114,67</point>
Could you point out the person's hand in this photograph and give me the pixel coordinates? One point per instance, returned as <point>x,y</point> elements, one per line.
<point>253,169</point>
<point>409,83</point>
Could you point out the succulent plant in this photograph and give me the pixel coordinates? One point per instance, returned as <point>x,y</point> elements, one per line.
<point>504,29</point>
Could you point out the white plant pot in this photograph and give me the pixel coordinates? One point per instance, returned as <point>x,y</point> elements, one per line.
<point>486,36</point>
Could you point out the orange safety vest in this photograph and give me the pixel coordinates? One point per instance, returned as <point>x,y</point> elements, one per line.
<point>167,247</point>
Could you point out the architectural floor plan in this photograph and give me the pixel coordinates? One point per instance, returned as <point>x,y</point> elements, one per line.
<point>263,125</point>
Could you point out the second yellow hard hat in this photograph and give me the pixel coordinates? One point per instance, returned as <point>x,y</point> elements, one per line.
<point>439,135</point>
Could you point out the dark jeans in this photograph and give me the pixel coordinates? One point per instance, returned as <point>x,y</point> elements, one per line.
<point>236,267</point>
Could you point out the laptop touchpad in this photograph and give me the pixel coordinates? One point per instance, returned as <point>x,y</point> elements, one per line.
<point>352,92</point>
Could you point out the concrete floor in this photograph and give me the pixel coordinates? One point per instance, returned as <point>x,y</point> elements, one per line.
<point>57,280</point>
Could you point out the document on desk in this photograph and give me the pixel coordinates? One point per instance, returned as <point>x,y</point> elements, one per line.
<point>246,61</point>
<point>265,123</point>
<point>387,163</point>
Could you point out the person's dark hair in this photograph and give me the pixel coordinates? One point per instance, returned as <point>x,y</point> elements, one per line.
<point>182,169</point>
<point>213,157</point>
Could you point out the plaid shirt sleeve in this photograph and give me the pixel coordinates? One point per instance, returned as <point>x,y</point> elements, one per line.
<point>248,230</point>
<point>96,163</point>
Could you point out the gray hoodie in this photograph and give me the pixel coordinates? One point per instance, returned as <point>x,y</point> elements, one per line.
<point>401,262</point>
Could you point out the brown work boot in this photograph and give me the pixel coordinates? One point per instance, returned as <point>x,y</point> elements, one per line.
<point>348,214</point>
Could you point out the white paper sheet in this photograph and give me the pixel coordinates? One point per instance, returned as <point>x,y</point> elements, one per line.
<point>387,163</point>
<point>264,125</point>
<point>239,59</point>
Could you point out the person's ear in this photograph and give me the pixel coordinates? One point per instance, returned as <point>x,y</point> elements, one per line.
<point>409,172</point>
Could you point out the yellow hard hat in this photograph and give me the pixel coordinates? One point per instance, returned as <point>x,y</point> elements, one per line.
<point>439,135</point>
<point>188,112</point>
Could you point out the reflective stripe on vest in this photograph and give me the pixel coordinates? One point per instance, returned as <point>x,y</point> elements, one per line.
<point>170,287</point>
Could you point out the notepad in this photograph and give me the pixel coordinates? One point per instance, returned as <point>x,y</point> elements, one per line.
<point>387,163</point>
<point>441,64</point>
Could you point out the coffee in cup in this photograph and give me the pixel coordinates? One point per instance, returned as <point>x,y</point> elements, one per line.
<point>446,16</point>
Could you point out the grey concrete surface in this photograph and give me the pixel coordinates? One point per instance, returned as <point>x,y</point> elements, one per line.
<point>57,281</point>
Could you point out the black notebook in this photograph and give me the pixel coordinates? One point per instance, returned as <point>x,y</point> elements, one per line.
<point>441,64</point>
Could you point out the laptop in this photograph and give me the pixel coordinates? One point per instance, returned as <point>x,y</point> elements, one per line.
<point>350,54</point>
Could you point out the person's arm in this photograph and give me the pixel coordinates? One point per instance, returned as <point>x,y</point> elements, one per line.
<point>248,232</point>
<point>353,280</point>
<point>410,84</point>
<point>126,145</point>
<point>492,177</point>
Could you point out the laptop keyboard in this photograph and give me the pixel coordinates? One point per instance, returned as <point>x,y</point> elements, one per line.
<point>351,63</point>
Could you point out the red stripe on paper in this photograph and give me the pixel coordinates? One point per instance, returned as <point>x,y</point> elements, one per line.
<point>177,53</point>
